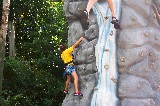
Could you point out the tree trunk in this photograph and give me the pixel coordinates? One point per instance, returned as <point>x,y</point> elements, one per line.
<point>11,40</point>
<point>5,12</point>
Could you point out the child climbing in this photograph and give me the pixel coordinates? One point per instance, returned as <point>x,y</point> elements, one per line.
<point>66,55</point>
<point>110,3</point>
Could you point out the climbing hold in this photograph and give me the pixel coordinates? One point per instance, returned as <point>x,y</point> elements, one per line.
<point>131,70</point>
<point>141,54</point>
<point>111,33</point>
<point>84,68</point>
<point>146,33</point>
<point>106,66</point>
<point>152,102</point>
<point>122,59</point>
<point>86,86</point>
<point>158,87</point>
<point>152,65</point>
<point>92,30</point>
<point>95,88</point>
<point>114,80</point>
<point>78,53</point>
<point>133,18</point>
<point>106,50</point>
<point>91,56</point>
<point>150,54</point>
<point>106,17</point>
<point>139,85</point>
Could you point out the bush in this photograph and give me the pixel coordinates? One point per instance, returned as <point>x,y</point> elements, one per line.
<point>24,85</point>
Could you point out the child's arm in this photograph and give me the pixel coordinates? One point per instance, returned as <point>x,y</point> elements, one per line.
<point>77,42</point>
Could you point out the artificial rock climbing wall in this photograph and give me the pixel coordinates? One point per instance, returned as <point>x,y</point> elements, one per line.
<point>84,54</point>
<point>139,54</point>
<point>138,45</point>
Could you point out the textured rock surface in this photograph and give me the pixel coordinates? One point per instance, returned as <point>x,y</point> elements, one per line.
<point>138,54</point>
<point>138,102</point>
<point>138,46</point>
<point>134,87</point>
<point>84,55</point>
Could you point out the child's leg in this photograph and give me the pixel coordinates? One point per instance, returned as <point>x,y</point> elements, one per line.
<point>114,19</point>
<point>67,82</point>
<point>74,74</point>
<point>90,5</point>
<point>111,6</point>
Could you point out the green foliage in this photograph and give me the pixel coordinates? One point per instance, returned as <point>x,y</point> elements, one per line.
<point>40,28</point>
<point>24,85</point>
<point>35,77</point>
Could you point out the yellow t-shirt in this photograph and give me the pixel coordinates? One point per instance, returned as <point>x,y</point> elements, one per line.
<point>67,55</point>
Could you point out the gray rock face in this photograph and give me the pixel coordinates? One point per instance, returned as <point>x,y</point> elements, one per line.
<point>84,54</point>
<point>138,54</point>
<point>134,87</point>
<point>138,46</point>
<point>138,102</point>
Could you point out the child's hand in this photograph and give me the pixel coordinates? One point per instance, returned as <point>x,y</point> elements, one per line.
<point>81,38</point>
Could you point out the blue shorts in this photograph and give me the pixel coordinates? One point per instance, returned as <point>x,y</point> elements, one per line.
<point>69,69</point>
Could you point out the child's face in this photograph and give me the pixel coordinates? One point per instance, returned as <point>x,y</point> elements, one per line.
<point>62,47</point>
